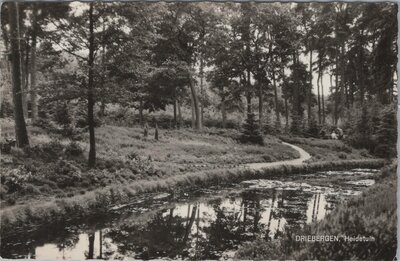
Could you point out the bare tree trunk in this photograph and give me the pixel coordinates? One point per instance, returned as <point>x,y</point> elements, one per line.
<point>296,120</point>
<point>286,113</point>
<point>286,103</point>
<point>343,97</point>
<point>223,111</point>
<point>103,54</point>
<point>180,122</point>
<point>202,90</point>
<point>309,91</point>
<point>248,94</point>
<point>361,78</point>
<point>20,126</point>
<point>91,246</point>
<point>335,112</point>
<point>318,95</point>
<point>195,105</point>
<point>101,244</point>
<point>193,113</point>
<point>277,115</point>
<point>141,112</point>
<point>175,119</point>
<point>92,140</point>
<point>34,101</point>
<point>25,79</point>
<point>260,106</point>
<point>323,100</point>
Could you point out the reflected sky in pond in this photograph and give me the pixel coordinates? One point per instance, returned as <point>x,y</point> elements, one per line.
<point>202,224</point>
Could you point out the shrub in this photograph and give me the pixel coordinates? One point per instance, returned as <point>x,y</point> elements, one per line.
<point>15,179</point>
<point>3,191</point>
<point>30,189</point>
<point>62,115</point>
<point>63,173</point>
<point>81,120</point>
<point>73,149</point>
<point>46,151</point>
<point>313,129</point>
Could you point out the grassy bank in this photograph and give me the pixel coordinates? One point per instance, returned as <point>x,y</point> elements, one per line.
<point>327,150</point>
<point>93,203</point>
<point>371,214</point>
<point>55,165</point>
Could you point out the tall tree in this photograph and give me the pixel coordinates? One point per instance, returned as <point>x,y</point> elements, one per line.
<point>90,90</point>
<point>20,126</point>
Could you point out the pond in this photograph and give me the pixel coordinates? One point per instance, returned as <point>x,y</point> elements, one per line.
<point>197,224</point>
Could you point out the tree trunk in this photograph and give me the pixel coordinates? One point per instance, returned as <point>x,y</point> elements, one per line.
<point>25,79</point>
<point>286,113</point>
<point>193,113</point>
<point>92,140</point>
<point>156,131</point>
<point>309,91</point>
<point>101,244</point>
<point>195,103</point>
<point>91,246</point>
<point>248,94</point>
<point>318,93</point>
<point>322,99</point>
<point>175,119</point>
<point>34,101</point>
<point>296,96</point>
<point>202,90</point>
<point>335,111</point>
<point>103,74</point>
<point>286,103</point>
<point>20,126</point>
<point>343,97</point>
<point>260,106</point>
<point>223,110</point>
<point>141,112</point>
<point>180,122</point>
<point>361,78</point>
<point>277,115</point>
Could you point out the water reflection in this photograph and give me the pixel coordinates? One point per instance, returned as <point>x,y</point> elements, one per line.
<point>208,227</point>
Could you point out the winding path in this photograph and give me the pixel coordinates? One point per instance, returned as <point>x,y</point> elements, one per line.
<point>304,155</point>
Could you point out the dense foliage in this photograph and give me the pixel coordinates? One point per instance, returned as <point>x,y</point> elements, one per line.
<point>209,58</point>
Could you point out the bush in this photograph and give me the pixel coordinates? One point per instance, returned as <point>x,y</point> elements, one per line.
<point>3,191</point>
<point>62,115</point>
<point>47,151</point>
<point>15,179</point>
<point>63,173</point>
<point>30,189</point>
<point>6,108</point>
<point>73,149</point>
<point>81,119</point>
<point>313,129</point>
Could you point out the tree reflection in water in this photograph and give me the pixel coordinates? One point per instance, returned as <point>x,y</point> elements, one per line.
<point>205,228</point>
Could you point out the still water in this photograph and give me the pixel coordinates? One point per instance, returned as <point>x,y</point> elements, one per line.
<point>198,224</point>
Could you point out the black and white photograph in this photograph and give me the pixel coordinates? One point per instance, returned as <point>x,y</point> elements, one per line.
<point>178,130</point>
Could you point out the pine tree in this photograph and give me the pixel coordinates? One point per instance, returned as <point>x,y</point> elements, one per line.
<point>251,131</point>
<point>386,135</point>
